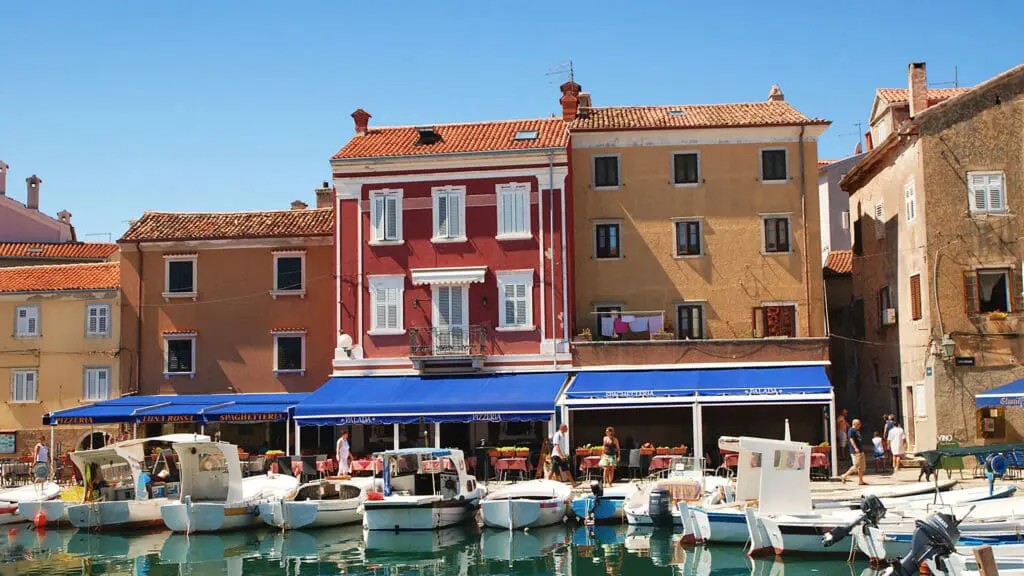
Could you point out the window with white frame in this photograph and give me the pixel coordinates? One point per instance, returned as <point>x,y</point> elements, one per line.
<point>289,351</point>
<point>513,210</point>
<point>386,315</point>
<point>97,384</point>
<point>606,171</point>
<point>386,216</point>
<point>180,276</point>
<point>97,320</point>
<point>24,385</point>
<point>26,321</point>
<point>515,288</point>
<point>910,200</point>
<point>180,354</point>
<point>880,219</point>
<point>449,213</point>
<point>686,168</point>
<point>289,272</point>
<point>987,192</point>
<point>776,234</point>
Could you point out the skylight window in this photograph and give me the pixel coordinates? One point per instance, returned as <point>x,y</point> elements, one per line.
<point>676,113</point>
<point>527,135</point>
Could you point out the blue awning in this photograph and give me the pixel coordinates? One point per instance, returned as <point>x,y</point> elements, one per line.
<point>1011,394</point>
<point>412,399</point>
<point>201,408</point>
<point>722,385</point>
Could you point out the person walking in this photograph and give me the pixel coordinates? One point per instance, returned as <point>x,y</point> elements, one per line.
<point>560,468</point>
<point>856,445</point>
<point>890,420</point>
<point>610,459</point>
<point>897,439</point>
<point>41,457</point>
<point>344,455</point>
<point>842,432</point>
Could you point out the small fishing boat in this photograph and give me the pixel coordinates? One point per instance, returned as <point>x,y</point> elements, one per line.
<point>214,496</point>
<point>325,502</point>
<point>603,504</point>
<point>12,499</point>
<point>423,489</point>
<point>126,495</point>
<point>830,498</point>
<point>947,498</point>
<point>526,505</point>
<point>657,503</point>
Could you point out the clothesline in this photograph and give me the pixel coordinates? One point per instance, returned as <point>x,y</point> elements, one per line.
<point>624,322</point>
<point>629,312</point>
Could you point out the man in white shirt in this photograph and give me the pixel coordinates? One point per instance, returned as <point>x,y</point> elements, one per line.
<point>897,439</point>
<point>560,468</point>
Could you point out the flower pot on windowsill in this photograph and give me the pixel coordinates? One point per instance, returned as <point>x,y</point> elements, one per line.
<point>662,451</point>
<point>583,451</point>
<point>680,451</point>
<point>647,451</point>
<point>661,336</point>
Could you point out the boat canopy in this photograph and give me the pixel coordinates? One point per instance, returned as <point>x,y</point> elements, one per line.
<point>210,471</point>
<point>199,408</point>
<point>1011,394</point>
<point>934,456</point>
<point>412,399</point>
<point>712,386</point>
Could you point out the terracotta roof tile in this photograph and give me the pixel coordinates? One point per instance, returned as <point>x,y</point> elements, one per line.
<point>57,251</point>
<point>170,226</point>
<point>935,95</point>
<point>839,262</point>
<point>769,113</point>
<point>826,163</point>
<point>101,276</point>
<point>457,138</point>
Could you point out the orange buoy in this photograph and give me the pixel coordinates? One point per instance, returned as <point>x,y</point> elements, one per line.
<point>40,519</point>
<point>12,532</point>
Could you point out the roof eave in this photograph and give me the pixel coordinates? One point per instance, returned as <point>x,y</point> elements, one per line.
<point>704,127</point>
<point>124,240</point>
<point>336,159</point>
<point>57,291</point>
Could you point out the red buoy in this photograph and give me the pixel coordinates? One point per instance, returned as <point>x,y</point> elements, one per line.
<point>12,532</point>
<point>40,519</point>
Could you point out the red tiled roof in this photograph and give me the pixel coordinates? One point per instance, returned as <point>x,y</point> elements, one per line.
<point>839,262</point>
<point>456,138</point>
<point>825,163</point>
<point>170,226</point>
<point>935,95</point>
<point>101,276</point>
<point>180,333</point>
<point>768,113</point>
<point>57,251</point>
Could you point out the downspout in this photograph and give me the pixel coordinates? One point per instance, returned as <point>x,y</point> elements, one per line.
<point>359,271</point>
<point>565,271</point>
<point>138,321</point>
<point>803,224</point>
<point>551,249</point>
<point>337,270</point>
<point>540,250</point>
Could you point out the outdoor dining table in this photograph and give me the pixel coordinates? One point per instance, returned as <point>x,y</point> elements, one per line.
<point>504,465</point>
<point>664,462</point>
<point>326,467</point>
<point>370,465</point>
<point>589,463</point>
<point>297,468</point>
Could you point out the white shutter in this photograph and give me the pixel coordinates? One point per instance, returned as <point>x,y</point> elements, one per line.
<point>520,201</point>
<point>381,297</point>
<point>103,318</point>
<point>91,385</point>
<point>441,213</point>
<point>510,305</point>
<point>378,217</point>
<point>456,295</point>
<point>978,194</point>
<point>444,318</point>
<point>93,320</point>
<point>392,307</point>
<point>995,193</point>
<point>454,215</point>
<point>22,324</point>
<point>879,219</point>
<point>520,304</point>
<point>910,201</point>
<point>391,217</point>
<point>845,216</point>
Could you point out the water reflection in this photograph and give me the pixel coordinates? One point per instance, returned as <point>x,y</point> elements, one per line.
<point>562,550</point>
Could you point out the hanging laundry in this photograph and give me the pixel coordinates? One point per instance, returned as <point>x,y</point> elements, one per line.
<point>627,318</point>
<point>607,326</point>
<point>639,324</point>
<point>620,326</point>
<point>656,324</point>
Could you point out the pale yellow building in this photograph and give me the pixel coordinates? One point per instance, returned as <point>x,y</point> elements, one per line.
<point>59,348</point>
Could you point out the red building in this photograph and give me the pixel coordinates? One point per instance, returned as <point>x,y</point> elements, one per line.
<point>451,255</point>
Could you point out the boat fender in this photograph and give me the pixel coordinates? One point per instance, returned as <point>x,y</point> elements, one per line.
<point>40,519</point>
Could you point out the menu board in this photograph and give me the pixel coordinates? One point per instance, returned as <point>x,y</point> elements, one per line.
<point>7,443</point>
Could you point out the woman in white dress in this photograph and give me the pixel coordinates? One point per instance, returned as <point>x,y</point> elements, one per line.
<point>897,438</point>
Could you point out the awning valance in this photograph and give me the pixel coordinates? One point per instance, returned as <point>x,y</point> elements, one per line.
<point>241,408</point>
<point>412,399</point>
<point>1011,394</point>
<point>652,388</point>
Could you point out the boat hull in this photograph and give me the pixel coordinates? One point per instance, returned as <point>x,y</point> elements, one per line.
<point>719,526</point>
<point>117,515</point>
<point>54,510</point>
<point>517,514</point>
<point>382,516</point>
<point>200,517</point>
<point>604,509</point>
<point>310,513</point>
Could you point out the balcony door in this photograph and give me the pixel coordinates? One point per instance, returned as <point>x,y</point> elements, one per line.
<point>451,320</point>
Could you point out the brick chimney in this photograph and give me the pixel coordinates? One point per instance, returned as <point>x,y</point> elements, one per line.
<point>868,142</point>
<point>918,81</point>
<point>324,196</point>
<point>3,178</point>
<point>569,100</point>
<point>299,205</point>
<point>775,94</point>
<point>362,118</point>
<point>32,198</point>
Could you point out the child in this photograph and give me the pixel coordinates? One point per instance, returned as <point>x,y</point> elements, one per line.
<point>879,445</point>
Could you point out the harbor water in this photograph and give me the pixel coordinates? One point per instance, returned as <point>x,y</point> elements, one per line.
<point>564,550</point>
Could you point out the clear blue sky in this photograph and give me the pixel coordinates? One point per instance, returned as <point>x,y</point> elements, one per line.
<point>126,106</point>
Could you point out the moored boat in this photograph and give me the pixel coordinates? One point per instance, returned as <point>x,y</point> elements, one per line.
<point>526,505</point>
<point>12,499</point>
<point>603,504</point>
<point>324,502</point>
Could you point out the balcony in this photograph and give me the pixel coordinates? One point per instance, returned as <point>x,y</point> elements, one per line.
<point>642,353</point>
<point>448,346</point>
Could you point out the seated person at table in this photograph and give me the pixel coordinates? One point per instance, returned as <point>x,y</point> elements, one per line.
<point>647,446</point>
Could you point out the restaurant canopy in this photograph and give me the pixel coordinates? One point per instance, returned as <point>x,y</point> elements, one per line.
<point>413,399</point>
<point>199,408</point>
<point>725,386</point>
<point>1011,394</point>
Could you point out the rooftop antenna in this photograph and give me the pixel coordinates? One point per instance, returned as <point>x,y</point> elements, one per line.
<point>955,82</point>
<point>858,133</point>
<point>560,72</point>
<point>107,235</point>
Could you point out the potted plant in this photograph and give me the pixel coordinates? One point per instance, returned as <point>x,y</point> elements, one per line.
<point>597,451</point>
<point>583,450</point>
<point>679,451</point>
<point>647,451</point>
<point>585,335</point>
<point>662,450</point>
<point>662,335</point>
<point>522,452</point>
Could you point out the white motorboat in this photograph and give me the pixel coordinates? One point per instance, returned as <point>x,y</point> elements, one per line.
<point>658,503</point>
<point>424,489</point>
<point>824,499</point>
<point>325,502</point>
<point>123,498</point>
<point>939,499</point>
<point>12,499</point>
<point>214,496</point>
<point>526,505</point>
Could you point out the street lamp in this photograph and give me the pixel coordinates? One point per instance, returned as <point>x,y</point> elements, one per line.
<point>948,347</point>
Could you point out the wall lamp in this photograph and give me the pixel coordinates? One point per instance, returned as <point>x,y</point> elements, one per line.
<point>948,347</point>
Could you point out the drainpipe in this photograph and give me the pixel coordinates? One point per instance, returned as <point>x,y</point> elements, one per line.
<point>551,248</point>
<point>138,321</point>
<point>803,224</point>
<point>540,250</point>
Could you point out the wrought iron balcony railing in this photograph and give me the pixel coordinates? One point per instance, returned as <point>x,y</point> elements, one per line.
<point>448,341</point>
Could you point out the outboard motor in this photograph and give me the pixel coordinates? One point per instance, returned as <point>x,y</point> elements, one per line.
<point>596,489</point>
<point>871,511</point>
<point>935,536</point>
<point>659,507</point>
<point>995,467</point>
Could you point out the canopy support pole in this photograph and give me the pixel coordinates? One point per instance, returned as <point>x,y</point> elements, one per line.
<point>698,428</point>
<point>287,437</point>
<point>437,434</point>
<point>135,430</point>
<point>395,428</point>
<point>298,441</point>
<point>53,447</point>
<point>832,431</point>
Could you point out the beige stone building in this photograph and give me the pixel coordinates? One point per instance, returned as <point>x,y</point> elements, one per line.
<point>937,257</point>
<point>59,348</point>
